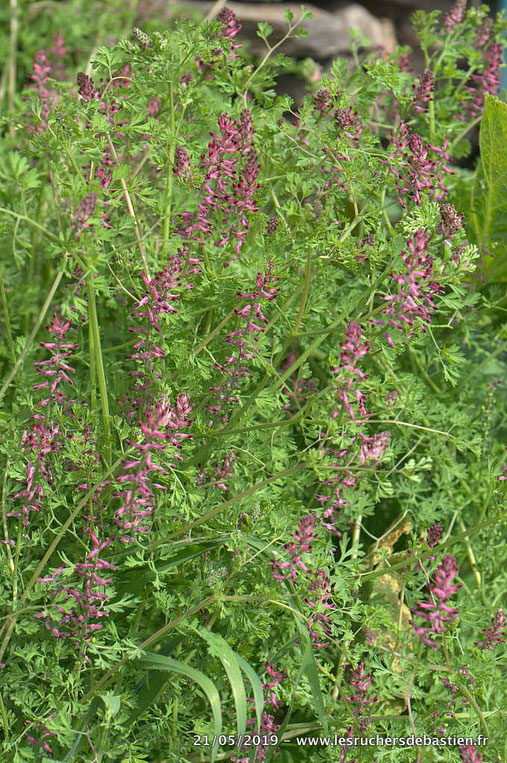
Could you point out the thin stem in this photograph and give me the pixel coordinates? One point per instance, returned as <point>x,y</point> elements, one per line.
<point>306,289</point>
<point>470,554</point>
<point>5,309</point>
<point>169,175</point>
<point>149,642</point>
<point>11,619</point>
<point>13,49</point>
<point>99,364</point>
<point>230,502</point>
<point>33,334</point>
<point>131,211</point>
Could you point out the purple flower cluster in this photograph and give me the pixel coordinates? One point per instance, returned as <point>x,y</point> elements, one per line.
<point>415,299</point>
<point>495,634</point>
<point>163,290</point>
<point>234,368</point>
<point>470,754</point>
<point>230,29</point>
<point>304,538</point>
<point>229,185</point>
<point>181,162</point>
<point>348,122</point>
<point>417,167</point>
<point>373,448</point>
<point>42,438</point>
<point>164,426</point>
<point>268,725</point>
<point>347,386</point>
<point>484,83</point>
<point>456,15</point>
<point>434,535</point>
<point>83,618</point>
<point>435,613</point>
<point>223,471</point>
<point>84,211</point>
<point>46,734</point>
<point>423,91</point>
<point>43,69</point>
<point>360,681</point>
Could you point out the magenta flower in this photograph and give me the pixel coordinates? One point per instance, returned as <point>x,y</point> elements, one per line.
<point>470,754</point>
<point>484,83</point>
<point>495,634</point>
<point>164,426</point>
<point>417,167</point>
<point>348,122</point>
<point>46,734</point>
<point>456,15</point>
<point>277,676</point>
<point>323,100</point>
<point>352,350</point>
<point>360,680</point>
<point>230,29</point>
<point>373,448</point>
<point>320,601</point>
<point>229,185</point>
<point>434,535</point>
<point>423,91</point>
<point>435,613</point>
<point>181,162</point>
<point>304,538</point>
<point>414,302</point>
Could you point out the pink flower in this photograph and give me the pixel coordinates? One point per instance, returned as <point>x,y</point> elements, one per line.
<point>495,634</point>
<point>360,680</point>
<point>423,91</point>
<point>456,15</point>
<point>414,300</point>
<point>417,167</point>
<point>435,612</point>
<point>229,185</point>
<point>470,754</point>
<point>373,448</point>
<point>348,122</point>
<point>484,83</point>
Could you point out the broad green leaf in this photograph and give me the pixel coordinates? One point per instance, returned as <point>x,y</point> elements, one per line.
<point>220,648</point>
<point>158,662</point>
<point>489,204</point>
<point>309,668</point>
<point>257,689</point>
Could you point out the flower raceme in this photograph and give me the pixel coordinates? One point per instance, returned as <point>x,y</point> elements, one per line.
<point>229,185</point>
<point>495,634</point>
<point>435,613</point>
<point>415,299</point>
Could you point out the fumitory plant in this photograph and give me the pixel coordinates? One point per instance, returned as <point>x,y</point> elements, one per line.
<point>253,396</point>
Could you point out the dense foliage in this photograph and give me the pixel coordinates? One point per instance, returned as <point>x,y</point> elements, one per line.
<point>253,423</point>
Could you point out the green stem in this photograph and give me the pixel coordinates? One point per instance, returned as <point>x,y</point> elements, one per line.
<point>169,175</point>
<point>33,334</point>
<point>5,308</point>
<point>230,502</point>
<point>99,363</point>
<point>306,289</point>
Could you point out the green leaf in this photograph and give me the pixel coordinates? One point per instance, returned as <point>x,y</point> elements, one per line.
<point>220,648</point>
<point>158,662</point>
<point>257,689</point>
<point>489,207</point>
<point>264,30</point>
<point>112,703</point>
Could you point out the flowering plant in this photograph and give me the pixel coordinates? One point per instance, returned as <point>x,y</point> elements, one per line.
<point>252,397</point>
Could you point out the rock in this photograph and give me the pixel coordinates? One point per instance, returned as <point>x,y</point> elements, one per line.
<point>328,32</point>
